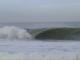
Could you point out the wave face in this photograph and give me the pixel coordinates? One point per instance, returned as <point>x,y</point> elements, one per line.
<point>60,34</point>
<point>12,32</point>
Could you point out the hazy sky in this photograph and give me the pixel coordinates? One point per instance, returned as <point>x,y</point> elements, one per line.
<point>39,10</point>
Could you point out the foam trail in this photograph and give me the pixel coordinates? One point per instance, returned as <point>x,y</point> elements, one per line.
<point>38,56</point>
<point>12,32</point>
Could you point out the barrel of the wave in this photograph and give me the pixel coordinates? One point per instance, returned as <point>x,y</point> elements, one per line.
<point>12,32</point>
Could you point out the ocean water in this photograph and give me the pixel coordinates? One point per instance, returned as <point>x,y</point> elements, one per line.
<point>16,43</point>
<point>33,25</point>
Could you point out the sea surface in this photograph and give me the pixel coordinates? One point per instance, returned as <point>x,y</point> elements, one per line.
<point>39,25</point>
<point>15,46</point>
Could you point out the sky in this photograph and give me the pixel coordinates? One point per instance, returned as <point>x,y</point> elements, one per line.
<point>39,10</point>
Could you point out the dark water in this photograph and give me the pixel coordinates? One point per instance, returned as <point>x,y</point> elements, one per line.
<point>59,34</point>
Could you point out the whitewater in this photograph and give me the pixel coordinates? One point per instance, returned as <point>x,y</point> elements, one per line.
<point>18,44</point>
<point>38,50</point>
<point>12,32</point>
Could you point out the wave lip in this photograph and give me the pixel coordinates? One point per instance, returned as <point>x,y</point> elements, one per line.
<point>12,32</point>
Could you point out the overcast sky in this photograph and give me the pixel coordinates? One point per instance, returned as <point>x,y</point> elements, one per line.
<point>39,10</point>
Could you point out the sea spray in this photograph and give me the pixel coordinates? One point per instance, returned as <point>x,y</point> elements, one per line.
<point>12,32</point>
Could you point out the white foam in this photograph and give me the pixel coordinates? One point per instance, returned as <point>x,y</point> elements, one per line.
<point>35,50</point>
<point>12,32</point>
<point>38,56</point>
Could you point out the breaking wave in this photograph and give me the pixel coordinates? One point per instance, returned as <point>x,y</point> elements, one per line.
<point>12,32</point>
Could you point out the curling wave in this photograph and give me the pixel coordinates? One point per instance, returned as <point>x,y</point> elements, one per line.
<point>59,34</point>
<point>12,32</point>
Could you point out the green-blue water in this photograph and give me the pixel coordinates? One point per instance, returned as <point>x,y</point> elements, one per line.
<point>57,34</point>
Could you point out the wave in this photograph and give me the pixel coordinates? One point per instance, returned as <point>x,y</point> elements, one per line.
<point>58,34</point>
<point>12,32</point>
